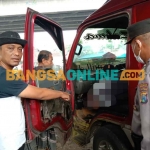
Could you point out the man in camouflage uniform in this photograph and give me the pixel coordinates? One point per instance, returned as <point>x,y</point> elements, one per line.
<point>139,34</point>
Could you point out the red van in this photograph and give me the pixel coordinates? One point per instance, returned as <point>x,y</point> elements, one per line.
<point>103,33</point>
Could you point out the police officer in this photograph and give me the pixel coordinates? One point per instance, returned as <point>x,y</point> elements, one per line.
<point>139,34</point>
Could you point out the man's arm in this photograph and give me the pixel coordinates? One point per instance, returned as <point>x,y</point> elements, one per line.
<point>144,102</point>
<point>145,125</point>
<point>22,89</point>
<point>136,124</point>
<point>42,93</point>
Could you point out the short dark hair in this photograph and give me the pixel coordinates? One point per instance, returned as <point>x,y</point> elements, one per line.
<point>44,54</point>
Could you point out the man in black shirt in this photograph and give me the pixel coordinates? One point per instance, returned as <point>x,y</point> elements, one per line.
<point>12,126</point>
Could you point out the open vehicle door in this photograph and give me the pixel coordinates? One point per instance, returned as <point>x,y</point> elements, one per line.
<point>54,114</point>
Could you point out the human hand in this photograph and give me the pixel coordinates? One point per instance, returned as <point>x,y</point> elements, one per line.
<point>65,96</point>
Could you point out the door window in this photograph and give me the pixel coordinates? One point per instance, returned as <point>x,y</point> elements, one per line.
<point>44,41</point>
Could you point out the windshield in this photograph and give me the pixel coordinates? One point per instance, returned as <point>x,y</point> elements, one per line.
<point>101,46</point>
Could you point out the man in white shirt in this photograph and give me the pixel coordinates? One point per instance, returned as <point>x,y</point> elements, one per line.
<point>12,126</point>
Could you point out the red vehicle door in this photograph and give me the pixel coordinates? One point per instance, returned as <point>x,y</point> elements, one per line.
<point>43,115</point>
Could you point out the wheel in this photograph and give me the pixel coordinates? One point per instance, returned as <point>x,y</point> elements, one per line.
<point>106,138</point>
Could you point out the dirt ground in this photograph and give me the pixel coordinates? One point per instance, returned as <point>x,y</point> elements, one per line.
<point>70,145</point>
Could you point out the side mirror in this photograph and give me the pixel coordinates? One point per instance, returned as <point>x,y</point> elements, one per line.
<point>78,49</point>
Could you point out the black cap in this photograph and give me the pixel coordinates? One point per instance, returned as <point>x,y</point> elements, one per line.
<point>10,37</point>
<point>137,29</point>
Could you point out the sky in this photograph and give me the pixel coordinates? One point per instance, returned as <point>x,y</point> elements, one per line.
<point>12,7</point>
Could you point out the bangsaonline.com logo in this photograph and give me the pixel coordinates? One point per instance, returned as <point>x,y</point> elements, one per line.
<point>113,75</point>
<point>87,75</point>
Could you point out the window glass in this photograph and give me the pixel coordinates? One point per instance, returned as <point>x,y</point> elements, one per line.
<point>44,41</point>
<point>102,45</point>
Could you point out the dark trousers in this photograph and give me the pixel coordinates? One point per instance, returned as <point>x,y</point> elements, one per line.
<point>22,147</point>
<point>137,140</point>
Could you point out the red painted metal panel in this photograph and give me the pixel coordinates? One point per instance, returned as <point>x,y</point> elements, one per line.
<point>32,107</point>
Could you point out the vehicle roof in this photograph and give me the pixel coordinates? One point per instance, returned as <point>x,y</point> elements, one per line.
<point>111,6</point>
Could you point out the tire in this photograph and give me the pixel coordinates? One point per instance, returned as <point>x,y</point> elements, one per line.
<point>109,139</point>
